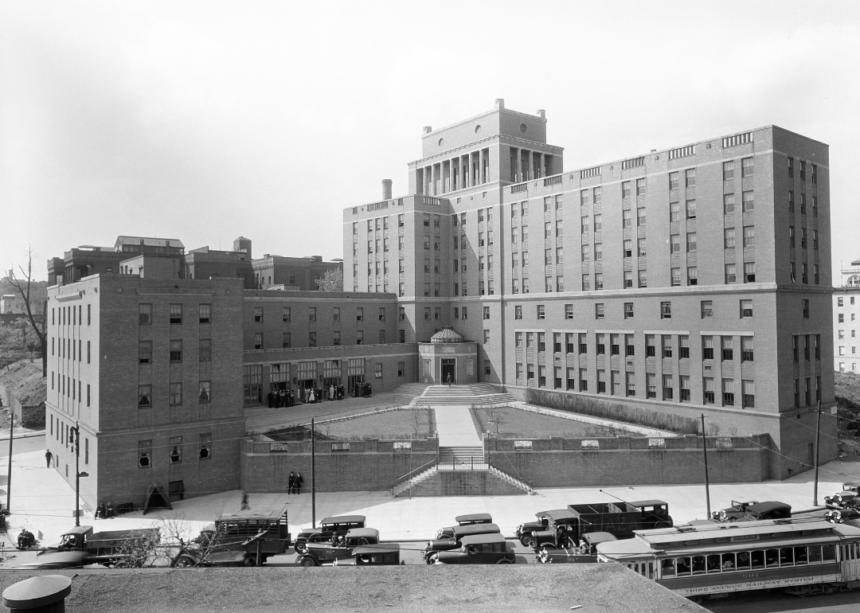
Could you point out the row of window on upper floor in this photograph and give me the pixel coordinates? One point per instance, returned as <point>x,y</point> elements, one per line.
<point>745,310</point>
<point>629,382</point>
<point>576,343</point>
<point>70,315</point>
<point>287,314</point>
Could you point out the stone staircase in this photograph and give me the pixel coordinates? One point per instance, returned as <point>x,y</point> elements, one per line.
<point>509,479</point>
<point>403,488</point>
<point>461,458</point>
<point>463,395</point>
<point>478,482</point>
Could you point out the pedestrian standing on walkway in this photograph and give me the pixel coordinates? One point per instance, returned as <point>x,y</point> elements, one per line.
<point>245,506</point>
<point>299,481</point>
<point>48,457</point>
<point>291,482</point>
<point>449,379</point>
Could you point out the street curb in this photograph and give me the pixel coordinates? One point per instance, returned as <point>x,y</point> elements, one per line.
<point>28,435</point>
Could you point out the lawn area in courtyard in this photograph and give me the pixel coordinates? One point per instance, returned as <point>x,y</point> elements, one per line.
<point>406,423</point>
<point>511,422</point>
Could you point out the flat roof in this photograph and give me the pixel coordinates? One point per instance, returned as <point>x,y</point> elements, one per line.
<point>343,519</point>
<point>359,532</point>
<point>474,517</point>
<point>262,511</point>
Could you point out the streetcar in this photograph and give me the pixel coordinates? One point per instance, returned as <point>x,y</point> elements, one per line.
<point>800,556</point>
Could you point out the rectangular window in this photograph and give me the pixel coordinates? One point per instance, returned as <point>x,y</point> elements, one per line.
<point>205,313</point>
<point>144,316</point>
<point>541,311</point>
<point>601,381</point>
<point>690,177</point>
<point>748,389</point>
<point>683,347</point>
<point>805,308</point>
<point>175,394</point>
<point>668,392</point>
<point>749,236</point>
<point>359,337</point>
<point>175,350</point>
<point>746,308</point>
<point>628,310</point>
<point>381,337</point>
<point>728,171</point>
<point>312,339</point>
<point>731,274</point>
<point>747,167</point>
<point>176,313</point>
<point>692,275</point>
<point>727,345</point>
<point>665,310</point>
<point>674,211</point>
<point>748,202</point>
<point>640,216</point>
<point>144,396</point>
<point>541,342</point>
<point>205,394</point>
<point>258,314</point>
<point>747,353</point>
<point>144,352</point>
<point>650,385</point>
<point>684,381</point>
<point>598,310</point>
<point>258,340</point>
<point>707,347</point>
<point>691,242</point>
<point>586,282</point>
<point>650,346</point>
<point>625,189</point>
<point>667,345</point>
<point>598,280</point>
<point>312,314</point>
<point>675,243</point>
<point>708,390</point>
<point>729,238</point>
<point>728,393</point>
<point>674,180</point>
<point>676,276</point>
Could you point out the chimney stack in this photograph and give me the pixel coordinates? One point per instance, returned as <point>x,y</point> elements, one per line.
<point>386,189</point>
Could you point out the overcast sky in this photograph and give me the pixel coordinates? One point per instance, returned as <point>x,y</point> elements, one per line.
<point>204,121</point>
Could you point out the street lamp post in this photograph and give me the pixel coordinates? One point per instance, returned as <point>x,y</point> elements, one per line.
<point>76,432</point>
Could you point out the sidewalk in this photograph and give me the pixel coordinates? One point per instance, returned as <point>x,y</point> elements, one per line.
<point>43,502</point>
<point>455,427</point>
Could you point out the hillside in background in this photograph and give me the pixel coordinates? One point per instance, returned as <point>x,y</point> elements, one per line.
<point>848,400</point>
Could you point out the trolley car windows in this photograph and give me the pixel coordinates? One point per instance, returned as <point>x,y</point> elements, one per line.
<point>714,563</point>
<point>757,559</point>
<point>829,553</point>
<point>698,565</point>
<point>668,569</point>
<point>728,561</point>
<point>786,557</point>
<point>771,557</point>
<point>814,554</point>
<point>683,566</point>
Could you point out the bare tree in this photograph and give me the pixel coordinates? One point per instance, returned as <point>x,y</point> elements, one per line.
<point>23,289</point>
<point>495,417</point>
<point>416,422</point>
<point>332,280</point>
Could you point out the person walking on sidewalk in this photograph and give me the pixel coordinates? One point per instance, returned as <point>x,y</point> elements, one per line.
<point>291,482</point>
<point>299,481</point>
<point>48,457</point>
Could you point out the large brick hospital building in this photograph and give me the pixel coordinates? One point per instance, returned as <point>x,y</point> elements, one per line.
<point>688,281</point>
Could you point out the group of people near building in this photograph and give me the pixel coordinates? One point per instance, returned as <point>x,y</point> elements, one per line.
<point>281,398</point>
<point>294,483</point>
<point>285,397</point>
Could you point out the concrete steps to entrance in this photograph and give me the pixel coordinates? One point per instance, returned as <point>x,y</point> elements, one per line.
<point>514,482</point>
<point>454,458</point>
<point>465,483</point>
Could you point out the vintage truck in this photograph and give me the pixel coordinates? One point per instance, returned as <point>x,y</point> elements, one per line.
<point>246,538</point>
<point>563,528</point>
<point>449,538</point>
<point>753,511</point>
<point>81,546</point>
<point>848,497</point>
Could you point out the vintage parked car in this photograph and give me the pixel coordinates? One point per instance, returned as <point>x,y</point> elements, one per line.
<point>840,516</point>
<point>550,528</point>
<point>585,553</point>
<point>341,547</point>
<point>478,549</point>
<point>848,497</point>
<point>80,546</point>
<point>387,554</point>
<point>329,528</point>
<point>450,537</point>
<point>753,511</point>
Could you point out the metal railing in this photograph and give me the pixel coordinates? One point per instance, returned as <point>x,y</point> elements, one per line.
<point>463,462</point>
<point>412,473</point>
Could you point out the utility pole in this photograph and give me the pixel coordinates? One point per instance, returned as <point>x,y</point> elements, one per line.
<point>817,441</point>
<point>77,433</point>
<point>707,482</point>
<point>9,473</point>
<point>313,474</point>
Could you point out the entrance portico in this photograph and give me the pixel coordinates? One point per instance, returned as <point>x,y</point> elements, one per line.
<point>446,354</point>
